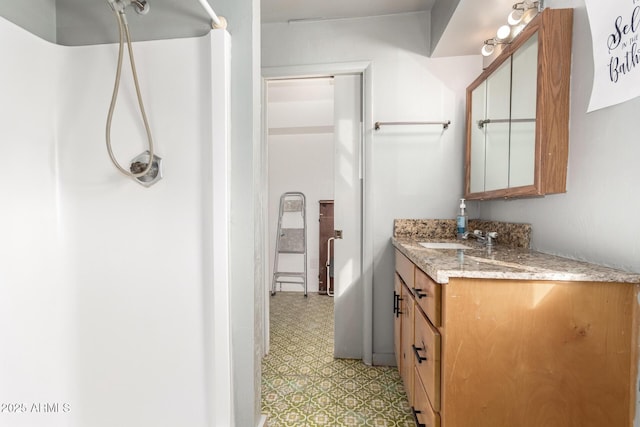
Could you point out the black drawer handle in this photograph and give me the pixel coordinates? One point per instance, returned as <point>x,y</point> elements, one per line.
<point>416,350</point>
<point>415,417</point>
<point>419,293</point>
<point>396,304</point>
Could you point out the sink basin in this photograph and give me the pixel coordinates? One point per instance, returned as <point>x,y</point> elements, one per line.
<point>444,245</point>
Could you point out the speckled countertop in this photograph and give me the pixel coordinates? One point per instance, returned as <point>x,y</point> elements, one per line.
<point>511,258</point>
<point>503,262</point>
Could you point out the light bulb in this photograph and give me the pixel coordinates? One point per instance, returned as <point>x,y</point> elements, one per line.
<point>487,50</point>
<point>515,17</point>
<point>503,33</point>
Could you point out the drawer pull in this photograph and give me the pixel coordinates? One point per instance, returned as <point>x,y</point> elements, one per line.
<point>416,350</point>
<point>419,293</point>
<point>396,304</point>
<point>415,417</point>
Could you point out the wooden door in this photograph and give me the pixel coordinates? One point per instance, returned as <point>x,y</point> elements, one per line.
<point>535,353</point>
<point>326,231</point>
<point>397,320</point>
<point>407,308</point>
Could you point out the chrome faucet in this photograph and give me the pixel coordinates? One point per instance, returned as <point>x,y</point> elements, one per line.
<point>486,238</point>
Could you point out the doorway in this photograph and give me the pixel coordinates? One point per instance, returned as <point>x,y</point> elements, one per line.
<point>300,147</point>
<point>346,176</point>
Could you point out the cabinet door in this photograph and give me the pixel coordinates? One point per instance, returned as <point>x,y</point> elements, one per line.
<point>477,144</point>
<point>397,320</point>
<point>522,144</point>
<point>497,130</point>
<point>537,353</point>
<point>407,365</point>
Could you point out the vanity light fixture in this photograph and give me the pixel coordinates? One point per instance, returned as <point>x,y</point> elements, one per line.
<point>489,46</point>
<point>523,12</point>
<point>504,33</point>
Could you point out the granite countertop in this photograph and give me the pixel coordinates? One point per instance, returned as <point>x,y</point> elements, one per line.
<point>503,262</point>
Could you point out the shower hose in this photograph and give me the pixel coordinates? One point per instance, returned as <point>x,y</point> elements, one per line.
<point>124,32</point>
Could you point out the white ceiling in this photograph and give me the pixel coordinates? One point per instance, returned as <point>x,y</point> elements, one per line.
<point>472,22</point>
<point>82,22</point>
<point>287,10</point>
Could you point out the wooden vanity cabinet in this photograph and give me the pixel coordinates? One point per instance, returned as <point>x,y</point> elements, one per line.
<point>419,363</point>
<point>518,114</point>
<point>523,353</point>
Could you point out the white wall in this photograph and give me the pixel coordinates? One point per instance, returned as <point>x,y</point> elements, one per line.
<point>247,175</point>
<point>36,289</point>
<point>593,221</point>
<point>108,290</point>
<point>414,172</point>
<point>300,145</point>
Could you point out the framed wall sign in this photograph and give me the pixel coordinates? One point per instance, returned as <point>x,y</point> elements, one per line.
<point>615,27</point>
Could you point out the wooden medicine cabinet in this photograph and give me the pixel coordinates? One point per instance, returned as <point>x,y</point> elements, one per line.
<point>518,114</point>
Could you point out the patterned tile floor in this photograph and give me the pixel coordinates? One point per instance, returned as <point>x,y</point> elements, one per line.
<point>303,385</point>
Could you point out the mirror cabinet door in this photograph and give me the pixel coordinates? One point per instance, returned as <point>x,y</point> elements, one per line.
<point>523,114</point>
<point>477,144</point>
<point>497,130</point>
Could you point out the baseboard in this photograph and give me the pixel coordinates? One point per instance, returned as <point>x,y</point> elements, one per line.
<point>263,421</point>
<point>384,359</point>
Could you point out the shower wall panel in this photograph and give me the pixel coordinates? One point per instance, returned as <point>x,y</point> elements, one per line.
<point>106,298</point>
<point>36,294</point>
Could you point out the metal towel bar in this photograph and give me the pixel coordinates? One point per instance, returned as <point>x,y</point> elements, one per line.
<point>444,124</point>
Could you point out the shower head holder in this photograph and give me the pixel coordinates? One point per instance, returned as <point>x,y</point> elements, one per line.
<point>141,6</point>
<point>139,164</point>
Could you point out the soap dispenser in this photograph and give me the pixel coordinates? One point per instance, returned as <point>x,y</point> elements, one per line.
<point>461,220</point>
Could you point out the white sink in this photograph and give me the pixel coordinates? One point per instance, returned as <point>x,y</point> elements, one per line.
<point>444,245</point>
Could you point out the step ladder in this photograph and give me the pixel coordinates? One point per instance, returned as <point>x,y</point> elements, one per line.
<point>291,238</point>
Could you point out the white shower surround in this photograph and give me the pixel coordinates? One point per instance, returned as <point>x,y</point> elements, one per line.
<point>114,297</point>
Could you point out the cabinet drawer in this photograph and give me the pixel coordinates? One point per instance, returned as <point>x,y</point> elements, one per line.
<point>427,358</point>
<point>422,410</point>
<point>405,269</point>
<point>428,296</point>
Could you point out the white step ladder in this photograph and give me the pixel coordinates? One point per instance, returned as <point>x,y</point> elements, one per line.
<point>291,238</point>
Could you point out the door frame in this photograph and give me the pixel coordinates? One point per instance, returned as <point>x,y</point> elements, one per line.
<point>363,68</point>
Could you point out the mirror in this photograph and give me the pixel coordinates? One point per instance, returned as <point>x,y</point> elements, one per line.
<point>518,114</point>
<point>504,110</point>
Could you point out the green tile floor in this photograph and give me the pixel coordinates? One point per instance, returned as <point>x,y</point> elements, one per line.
<point>303,385</point>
